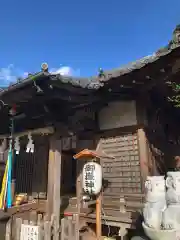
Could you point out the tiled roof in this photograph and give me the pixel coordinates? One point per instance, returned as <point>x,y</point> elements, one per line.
<point>98,81</point>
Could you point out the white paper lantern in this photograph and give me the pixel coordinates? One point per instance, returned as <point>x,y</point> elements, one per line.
<point>92,178</point>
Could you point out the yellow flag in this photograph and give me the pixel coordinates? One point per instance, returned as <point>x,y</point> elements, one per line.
<point>3,189</point>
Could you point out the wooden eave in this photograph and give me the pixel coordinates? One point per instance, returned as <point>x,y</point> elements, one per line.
<point>143,74</point>
<point>145,77</point>
<point>39,109</point>
<point>50,89</point>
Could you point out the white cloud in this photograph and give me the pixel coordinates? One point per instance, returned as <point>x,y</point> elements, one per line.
<point>25,74</point>
<point>6,75</point>
<point>10,73</point>
<point>65,71</point>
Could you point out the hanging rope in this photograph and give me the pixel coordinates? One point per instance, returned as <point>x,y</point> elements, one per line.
<point>12,112</point>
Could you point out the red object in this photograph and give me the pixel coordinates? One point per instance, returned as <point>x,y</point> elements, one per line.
<point>68,214</point>
<point>13,109</point>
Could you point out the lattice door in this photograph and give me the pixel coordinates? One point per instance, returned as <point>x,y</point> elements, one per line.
<point>121,175</point>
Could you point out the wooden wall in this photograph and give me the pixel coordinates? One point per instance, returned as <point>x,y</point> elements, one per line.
<point>125,139</point>
<point>162,133</point>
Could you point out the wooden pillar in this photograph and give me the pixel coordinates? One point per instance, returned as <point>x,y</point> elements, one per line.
<point>98,217</point>
<point>54,183</point>
<point>143,154</point>
<point>57,189</point>
<point>50,187</point>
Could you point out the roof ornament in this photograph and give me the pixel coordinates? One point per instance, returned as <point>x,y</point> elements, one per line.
<point>19,79</point>
<point>101,73</point>
<point>175,41</point>
<point>176,37</point>
<point>44,67</point>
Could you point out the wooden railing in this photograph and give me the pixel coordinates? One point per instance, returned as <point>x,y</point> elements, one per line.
<point>36,227</point>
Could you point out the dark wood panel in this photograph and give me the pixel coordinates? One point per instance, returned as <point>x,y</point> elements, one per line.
<point>40,170</point>
<point>31,168</point>
<point>68,168</point>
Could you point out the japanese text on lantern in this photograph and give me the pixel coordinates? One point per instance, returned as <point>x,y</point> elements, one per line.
<point>89,177</point>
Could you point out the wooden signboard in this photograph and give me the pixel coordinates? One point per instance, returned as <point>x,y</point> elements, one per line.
<point>68,143</point>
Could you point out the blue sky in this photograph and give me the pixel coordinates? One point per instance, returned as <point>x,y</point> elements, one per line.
<point>81,35</point>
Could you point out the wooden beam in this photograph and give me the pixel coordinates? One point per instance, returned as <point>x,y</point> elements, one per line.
<point>43,131</point>
<point>13,97</point>
<point>38,206</point>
